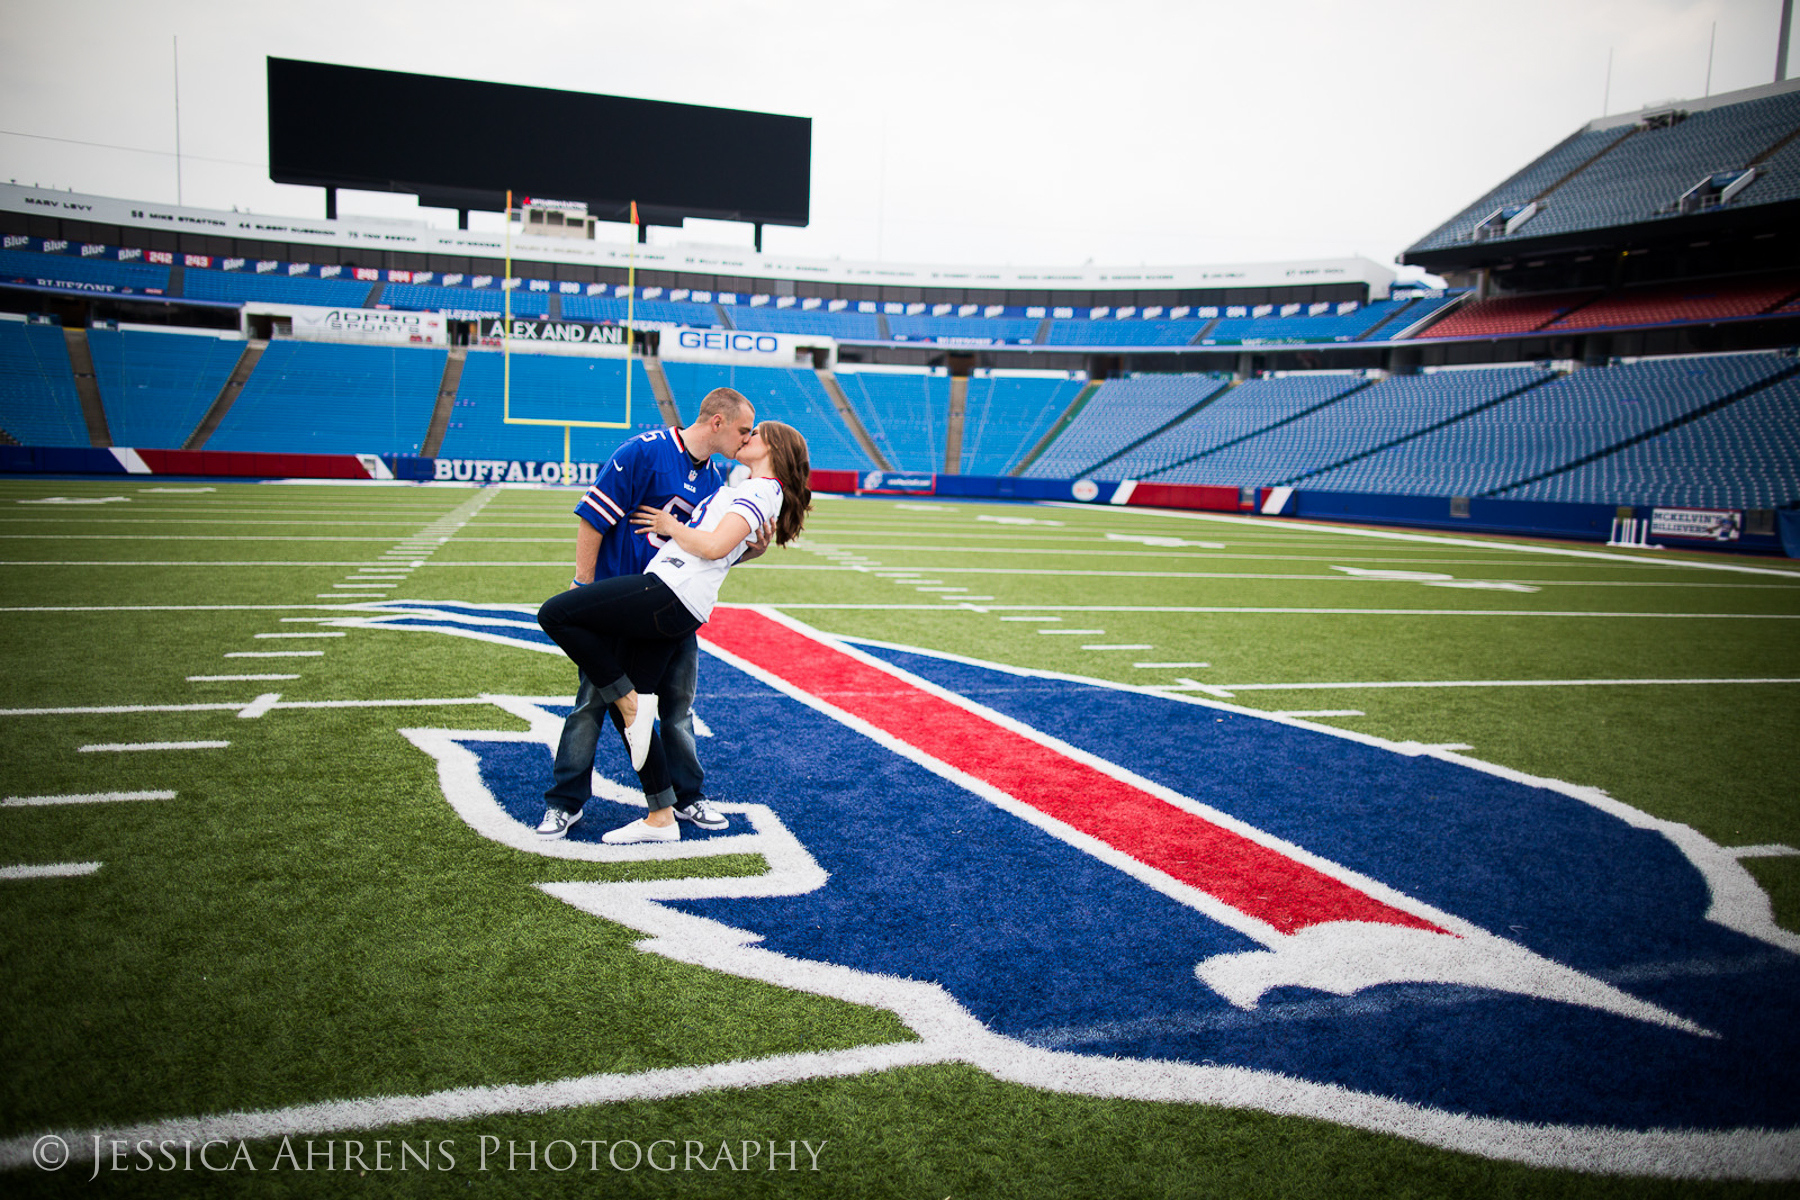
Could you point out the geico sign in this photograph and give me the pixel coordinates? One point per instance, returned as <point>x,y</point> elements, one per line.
<point>742,343</point>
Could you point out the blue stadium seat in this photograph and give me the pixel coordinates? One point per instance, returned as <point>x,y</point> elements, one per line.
<point>1119,413</point>
<point>845,326</point>
<point>906,414</point>
<point>24,266</point>
<point>667,312</point>
<point>1744,455</point>
<point>322,398</point>
<point>546,386</point>
<point>1005,416</point>
<point>1247,408</point>
<point>1549,426</point>
<point>236,288</point>
<point>157,387</point>
<point>425,297</point>
<point>38,402</point>
<point>1360,421</point>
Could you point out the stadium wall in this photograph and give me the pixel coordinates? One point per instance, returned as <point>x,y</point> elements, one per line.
<point>1531,518</point>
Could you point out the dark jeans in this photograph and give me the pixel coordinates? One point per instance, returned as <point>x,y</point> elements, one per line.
<point>624,633</point>
<point>571,775</point>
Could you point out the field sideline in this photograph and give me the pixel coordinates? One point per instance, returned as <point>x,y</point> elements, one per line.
<point>234,884</point>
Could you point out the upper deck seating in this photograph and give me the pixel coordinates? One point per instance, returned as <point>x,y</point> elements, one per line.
<point>665,312</point>
<point>51,270</point>
<point>428,297</point>
<point>1682,303</point>
<point>1507,314</point>
<point>38,402</point>
<point>1628,174</point>
<point>232,287</point>
<point>972,330</point>
<point>156,387</point>
<point>846,326</point>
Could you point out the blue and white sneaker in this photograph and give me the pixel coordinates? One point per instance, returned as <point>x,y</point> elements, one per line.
<point>556,821</point>
<point>699,812</point>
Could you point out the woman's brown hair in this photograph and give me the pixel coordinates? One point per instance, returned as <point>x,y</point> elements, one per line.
<point>791,465</point>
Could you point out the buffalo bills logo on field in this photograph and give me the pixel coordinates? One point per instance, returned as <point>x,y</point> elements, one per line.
<point>1104,890</point>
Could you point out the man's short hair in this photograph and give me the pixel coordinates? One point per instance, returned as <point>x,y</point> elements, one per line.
<point>721,402</point>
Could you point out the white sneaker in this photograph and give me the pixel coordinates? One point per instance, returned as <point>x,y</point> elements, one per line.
<point>637,734</point>
<point>556,821</point>
<point>641,831</point>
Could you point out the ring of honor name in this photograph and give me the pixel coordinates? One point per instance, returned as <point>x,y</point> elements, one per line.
<point>1112,891</point>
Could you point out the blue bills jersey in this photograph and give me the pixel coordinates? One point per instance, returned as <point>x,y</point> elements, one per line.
<point>654,469</point>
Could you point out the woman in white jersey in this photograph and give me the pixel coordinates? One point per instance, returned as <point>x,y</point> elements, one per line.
<point>624,629</point>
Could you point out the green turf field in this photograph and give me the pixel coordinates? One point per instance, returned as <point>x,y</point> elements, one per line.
<point>298,918</point>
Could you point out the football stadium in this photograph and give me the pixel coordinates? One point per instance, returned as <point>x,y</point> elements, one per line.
<point>1303,728</point>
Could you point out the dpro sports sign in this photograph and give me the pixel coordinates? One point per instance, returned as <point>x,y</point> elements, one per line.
<point>1095,889</point>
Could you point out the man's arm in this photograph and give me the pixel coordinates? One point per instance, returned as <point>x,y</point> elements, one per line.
<point>587,552</point>
<point>606,508</point>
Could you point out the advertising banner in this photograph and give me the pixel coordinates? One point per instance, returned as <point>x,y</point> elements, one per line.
<point>744,347</point>
<point>1710,524</point>
<point>508,470</point>
<point>533,334</point>
<point>897,483</point>
<point>365,325</point>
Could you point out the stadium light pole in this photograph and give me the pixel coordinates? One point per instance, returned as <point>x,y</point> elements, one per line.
<point>177,58</point>
<point>1781,40</point>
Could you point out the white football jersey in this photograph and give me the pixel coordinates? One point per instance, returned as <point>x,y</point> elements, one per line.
<point>695,580</point>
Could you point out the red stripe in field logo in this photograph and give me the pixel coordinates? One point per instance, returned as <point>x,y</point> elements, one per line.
<point>1257,880</point>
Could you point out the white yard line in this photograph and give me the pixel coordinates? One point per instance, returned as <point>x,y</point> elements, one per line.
<point>1395,535</point>
<point>82,798</point>
<point>49,870</point>
<point>128,747</point>
<point>1226,610</point>
<point>236,678</point>
<point>1231,688</point>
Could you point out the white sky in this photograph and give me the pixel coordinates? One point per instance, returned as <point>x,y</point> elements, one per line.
<point>962,131</point>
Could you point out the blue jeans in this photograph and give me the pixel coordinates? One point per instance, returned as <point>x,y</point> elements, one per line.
<point>571,774</point>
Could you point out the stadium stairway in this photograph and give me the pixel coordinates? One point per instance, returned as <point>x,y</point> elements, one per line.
<point>851,421</point>
<point>446,401</point>
<point>1055,431</point>
<point>1390,319</point>
<point>1677,422</point>
<point>665,395</point>
<point>234,387</point>
<point>953,424</point>
<point>87,389</point>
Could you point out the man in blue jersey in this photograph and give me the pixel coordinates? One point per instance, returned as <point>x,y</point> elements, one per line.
<point>670,469</point>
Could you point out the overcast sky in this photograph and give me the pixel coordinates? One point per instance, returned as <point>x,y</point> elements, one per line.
<point>963,131</point>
